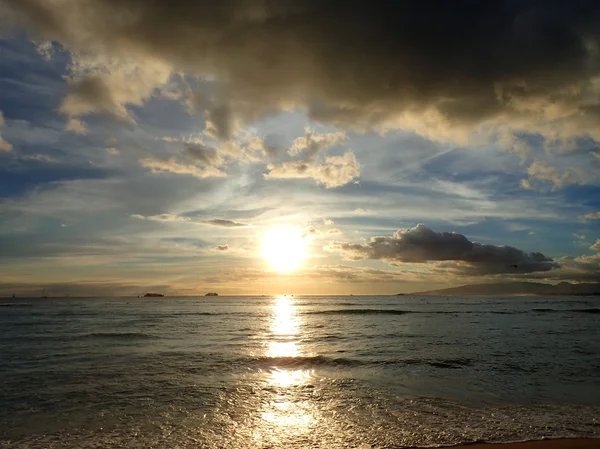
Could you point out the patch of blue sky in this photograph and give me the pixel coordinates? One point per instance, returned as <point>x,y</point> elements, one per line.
<point>31,88</point>
<point>28,175</point>
<point>166,117</point>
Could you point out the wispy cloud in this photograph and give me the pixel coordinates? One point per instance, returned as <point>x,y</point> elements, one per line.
<point>172,165</point>
<point>172,218</point>
<point>224,223</point>
<point>163,217</point>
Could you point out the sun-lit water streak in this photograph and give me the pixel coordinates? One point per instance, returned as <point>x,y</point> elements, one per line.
<point>285,329</point>
<point>288,412</point>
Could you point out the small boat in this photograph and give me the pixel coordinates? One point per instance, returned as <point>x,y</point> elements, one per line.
<point>212,294</point>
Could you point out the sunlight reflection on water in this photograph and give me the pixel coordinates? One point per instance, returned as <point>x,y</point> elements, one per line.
<point>287,412</point>
<point>285,328</point>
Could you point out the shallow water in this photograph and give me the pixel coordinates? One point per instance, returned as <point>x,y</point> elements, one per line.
<point>330,372</point>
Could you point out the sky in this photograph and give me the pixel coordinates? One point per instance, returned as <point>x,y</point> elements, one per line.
<point>306,147</point>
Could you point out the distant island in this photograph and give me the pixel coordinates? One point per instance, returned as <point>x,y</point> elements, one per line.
<point>517,288</point>
<point>212,294</point>
<point>153,295</point>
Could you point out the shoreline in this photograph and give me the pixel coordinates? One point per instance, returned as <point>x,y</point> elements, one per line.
<point>558,443</point>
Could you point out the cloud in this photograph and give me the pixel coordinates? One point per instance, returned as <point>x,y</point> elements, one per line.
<point>45,50</point>
<point>385,65</point>
<point>4,145</point>
<point>334,231</point>
<point>541,172</point>
<point>220,121</point>
<point>582,268</point>
<point>184,219</point>
<point>591,216</point>
<point>223,247</point>
<point>313,143</point>
<point>526,184</point>
<point>420,245</point>
<point>347,273</point>
<point>39,158</point>
<point>579,236</point>
<point>272,145</point>
<point>172,165</point>
<point>328,222</point>
<point>113,151</point>
<point>163,217</point>
<point>243,148</point>
<point>334,171</point>
<point>76,126</point>
<point>107,82</point>
<point>224,223</point>
<point>203,154</point>
<point>361,211</point>
<point>310,231</point>
<point>596,246</point>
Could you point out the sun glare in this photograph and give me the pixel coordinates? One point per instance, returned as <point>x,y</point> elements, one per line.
<point>284,248</point>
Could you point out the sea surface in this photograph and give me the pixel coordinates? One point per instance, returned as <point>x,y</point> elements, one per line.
<point>297,372</point>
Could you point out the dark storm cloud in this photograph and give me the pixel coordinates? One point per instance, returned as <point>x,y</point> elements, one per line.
<point>420,244</point>
<point>439,67</point>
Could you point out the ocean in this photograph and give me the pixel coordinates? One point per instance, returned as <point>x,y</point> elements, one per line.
<point>297,371</point>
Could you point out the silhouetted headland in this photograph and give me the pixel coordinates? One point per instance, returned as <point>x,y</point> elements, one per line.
<point>517,288</point>
<point>212,294</point>
<point>153,295</point>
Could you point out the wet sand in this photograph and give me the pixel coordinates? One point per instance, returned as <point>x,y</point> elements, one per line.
<point>569,443</point>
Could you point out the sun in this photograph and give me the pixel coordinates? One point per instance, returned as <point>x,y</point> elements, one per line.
<point>284,248</point>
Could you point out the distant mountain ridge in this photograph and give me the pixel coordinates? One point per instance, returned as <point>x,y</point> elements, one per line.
<point>516,288</point>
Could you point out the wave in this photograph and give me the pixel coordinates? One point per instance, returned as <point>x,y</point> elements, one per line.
<point>404,312</point>
<point>359,312</point>
<point>74,313</point>
<point>178,314</point>
<point>322,361</point>
<point>32,323</point>
<point>302,362</point>
<point>191,314</point>
<point>591,310</point>
<point>118,335</point>
<point>15,304</point>
<point>437,363</point>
